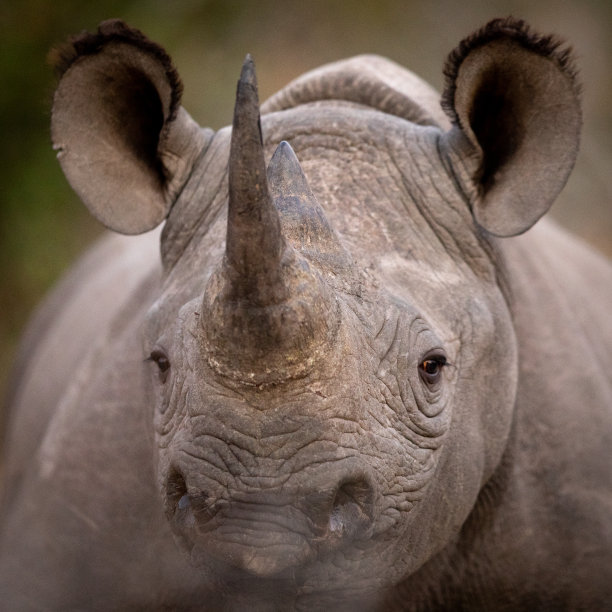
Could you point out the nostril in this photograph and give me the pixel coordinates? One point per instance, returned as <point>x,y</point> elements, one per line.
<point>352,509</point>
<point>201,507</point>
<point>184,507</point>
<point>176,492</point>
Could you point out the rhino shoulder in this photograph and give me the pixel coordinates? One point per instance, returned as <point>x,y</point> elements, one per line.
<point>81,310</point>
<point>551,266</point>
<point>561,299</point>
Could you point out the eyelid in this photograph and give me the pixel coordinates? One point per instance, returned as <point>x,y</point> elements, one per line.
<point>436,355</point>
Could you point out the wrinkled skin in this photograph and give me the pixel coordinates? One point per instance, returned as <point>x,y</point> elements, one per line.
<point>379,430</point>
<point>438,436</point>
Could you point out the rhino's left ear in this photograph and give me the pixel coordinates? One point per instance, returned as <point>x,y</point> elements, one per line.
<point>515,105</point>
<point>124,142</point>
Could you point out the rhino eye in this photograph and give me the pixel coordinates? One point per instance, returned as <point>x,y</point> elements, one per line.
<point>160,358</point>
<point>430,368</point>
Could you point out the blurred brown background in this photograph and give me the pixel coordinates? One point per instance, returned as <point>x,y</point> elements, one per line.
<point>43,226</point>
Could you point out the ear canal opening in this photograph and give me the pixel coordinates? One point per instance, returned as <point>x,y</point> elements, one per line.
<point>136,117</point>
<point>495,119</point>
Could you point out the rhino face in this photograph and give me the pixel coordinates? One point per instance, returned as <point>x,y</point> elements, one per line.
<point>317,404</point>
<point>332,364</point>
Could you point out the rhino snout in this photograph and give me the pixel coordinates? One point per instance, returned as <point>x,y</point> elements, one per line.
<point>269,531</point>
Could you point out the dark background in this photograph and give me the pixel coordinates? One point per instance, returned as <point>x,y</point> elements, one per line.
<point>43,227</point>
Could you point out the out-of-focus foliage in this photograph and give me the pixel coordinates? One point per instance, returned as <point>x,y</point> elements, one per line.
<point>42,224</point>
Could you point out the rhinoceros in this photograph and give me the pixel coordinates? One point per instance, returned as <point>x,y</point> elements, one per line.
<point>347,380</point>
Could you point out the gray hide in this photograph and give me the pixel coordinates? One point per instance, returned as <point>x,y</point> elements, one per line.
<point>347,383</point>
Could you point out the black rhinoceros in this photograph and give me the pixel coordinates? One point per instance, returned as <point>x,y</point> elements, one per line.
<point>342,385</point>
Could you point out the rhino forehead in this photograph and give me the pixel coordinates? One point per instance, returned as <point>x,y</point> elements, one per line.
<point>380,179</point>
<point>384,184</point>
<point>398,270</point>
<point>449,295</point>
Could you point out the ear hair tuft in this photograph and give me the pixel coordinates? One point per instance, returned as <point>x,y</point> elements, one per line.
<point>512,29</point>
<point>65,55</point>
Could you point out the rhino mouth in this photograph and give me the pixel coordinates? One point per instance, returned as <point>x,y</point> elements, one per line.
<point>268,534</point>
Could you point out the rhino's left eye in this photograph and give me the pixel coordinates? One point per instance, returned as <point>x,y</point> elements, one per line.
<point>430,369</point>
<point>160,358</point>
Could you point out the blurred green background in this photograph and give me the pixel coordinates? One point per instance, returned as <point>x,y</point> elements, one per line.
<point>43,227</point>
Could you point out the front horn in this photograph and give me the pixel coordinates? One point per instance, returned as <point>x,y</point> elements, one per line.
<point>268,316</point>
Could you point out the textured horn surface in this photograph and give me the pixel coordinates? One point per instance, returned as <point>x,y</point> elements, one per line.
<point>303,221</point>
<point>254,242</point>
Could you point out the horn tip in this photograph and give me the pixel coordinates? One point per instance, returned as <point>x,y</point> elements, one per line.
<point>284,161</point>
<point>283,150</point>
<point>246,109</point>
<point>247,74</point>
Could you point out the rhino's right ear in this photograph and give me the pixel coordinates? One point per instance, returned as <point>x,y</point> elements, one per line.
<point>515,105</point>
<point>124,142</point>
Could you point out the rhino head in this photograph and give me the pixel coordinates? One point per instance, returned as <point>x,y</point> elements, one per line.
<point>332,366</point>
